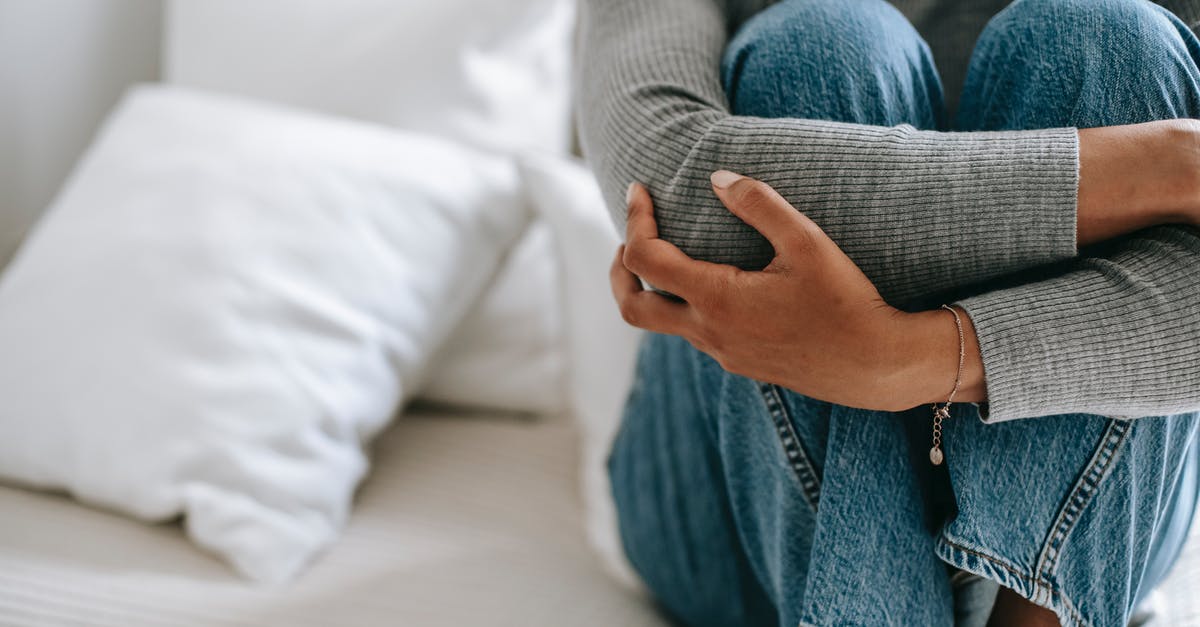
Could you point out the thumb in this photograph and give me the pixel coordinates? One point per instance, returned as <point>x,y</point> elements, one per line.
<point>639,214</point>
<point>759,205</point>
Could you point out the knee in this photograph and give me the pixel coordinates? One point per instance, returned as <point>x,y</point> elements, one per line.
<point>798,45</point>
<point>1042,63</point>
<point>1082,38</point>
<point>1062,16</point>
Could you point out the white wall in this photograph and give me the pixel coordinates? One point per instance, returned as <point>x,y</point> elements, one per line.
<point>63,64</point>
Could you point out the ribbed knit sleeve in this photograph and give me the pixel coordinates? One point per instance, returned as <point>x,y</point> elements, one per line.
<point>1116,333</point>
<point>918,211</point>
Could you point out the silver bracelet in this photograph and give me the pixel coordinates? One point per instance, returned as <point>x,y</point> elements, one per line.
<point>941,413</point>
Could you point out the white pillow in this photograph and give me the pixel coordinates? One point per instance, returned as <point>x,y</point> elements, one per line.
<point>491,73</point>
<point>602,348</point>
<point>487,72</point>
<point>508,353</point>
<point>226,302</point>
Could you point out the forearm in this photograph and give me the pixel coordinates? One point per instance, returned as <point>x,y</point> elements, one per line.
<point>1137,176</point>
<point>1131,177</point>
<point>1116,333</point>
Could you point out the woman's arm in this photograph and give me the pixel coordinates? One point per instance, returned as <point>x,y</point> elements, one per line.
<point>918,211</point>
<point>1115,332</point>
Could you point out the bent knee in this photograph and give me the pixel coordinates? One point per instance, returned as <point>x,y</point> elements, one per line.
<point>856,34</point>
<point>1086,63</point>
<point>840,44</point>
<point>1058,13</point>
<point>1089,34</point>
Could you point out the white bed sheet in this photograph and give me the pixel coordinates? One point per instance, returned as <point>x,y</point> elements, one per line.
<point>464,520</point>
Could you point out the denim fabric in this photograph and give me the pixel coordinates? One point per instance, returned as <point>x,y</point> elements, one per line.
<point>742,503</point>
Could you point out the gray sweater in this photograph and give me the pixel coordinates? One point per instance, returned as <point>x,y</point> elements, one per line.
<point>1116,331</point>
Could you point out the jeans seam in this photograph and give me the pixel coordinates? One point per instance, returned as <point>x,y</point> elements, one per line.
<point>798,459</point>
<point>1081,496</point>
<point>1042,589</point>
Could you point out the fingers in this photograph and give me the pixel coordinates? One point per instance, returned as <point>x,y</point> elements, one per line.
<point>621,279</point>
<point>760,206</point>
<point>644,309</point>
<point>658,261</point>
<point>639,214</point>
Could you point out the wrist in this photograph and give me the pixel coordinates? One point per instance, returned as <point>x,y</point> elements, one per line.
<point>923,362</point>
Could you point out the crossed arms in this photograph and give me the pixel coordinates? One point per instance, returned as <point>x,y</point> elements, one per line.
<point>1112,328</point>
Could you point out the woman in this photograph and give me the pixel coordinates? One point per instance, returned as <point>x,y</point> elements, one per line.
<point>817,485</point>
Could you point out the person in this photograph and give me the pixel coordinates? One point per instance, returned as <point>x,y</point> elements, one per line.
<point>839,251</point>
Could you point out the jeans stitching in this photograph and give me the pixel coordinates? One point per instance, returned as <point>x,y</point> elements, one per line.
<point>1081,495</point>
<point>995,561</point>
<point>797,458</point>
<point>1043,589</point>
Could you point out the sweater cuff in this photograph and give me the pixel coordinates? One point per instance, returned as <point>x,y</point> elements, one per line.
<point>1110,336</point>
<point>1017,341</point>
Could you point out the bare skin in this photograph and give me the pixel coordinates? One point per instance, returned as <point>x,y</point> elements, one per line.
<point>1137,175</point>
<point>1013,610</point>
<point>812,322</point>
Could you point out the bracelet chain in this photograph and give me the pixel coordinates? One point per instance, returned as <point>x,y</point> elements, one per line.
<point>936,454</point>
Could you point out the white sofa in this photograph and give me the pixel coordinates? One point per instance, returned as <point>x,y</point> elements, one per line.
<point>467,516</point>
<point>466,519</point>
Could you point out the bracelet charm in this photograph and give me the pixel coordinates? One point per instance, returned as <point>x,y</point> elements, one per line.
<point>936,455</point>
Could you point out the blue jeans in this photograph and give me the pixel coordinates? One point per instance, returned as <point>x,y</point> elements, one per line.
<point>742,503</point>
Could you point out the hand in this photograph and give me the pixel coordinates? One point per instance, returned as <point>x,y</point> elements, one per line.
<point>810,321</point>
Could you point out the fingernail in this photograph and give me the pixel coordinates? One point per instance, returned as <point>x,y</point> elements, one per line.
<point>629,193</point>
<point>724,178</point>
